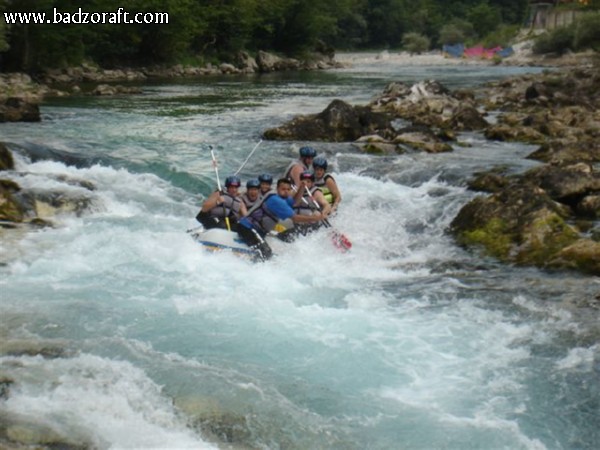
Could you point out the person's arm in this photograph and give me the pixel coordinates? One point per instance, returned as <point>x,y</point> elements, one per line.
<point>299,193</point>
<point>295,174</point>
<point>243,209</point>
<point>283,210</point>
<point>213,200</point>
<point>333,188</point>
<point>323,203</point>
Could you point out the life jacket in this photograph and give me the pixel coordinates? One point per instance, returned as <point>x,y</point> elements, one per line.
<point>261,217</point>
<point>289,168</point>
<point>249,203</point>
<point>229,208</point>
<point>261,195</point>
<point>321,183</point>
<point>307,206</point>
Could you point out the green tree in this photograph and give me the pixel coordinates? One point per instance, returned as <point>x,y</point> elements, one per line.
<point>3,29</point>
<point>415,43</point>
<point>485,18</point>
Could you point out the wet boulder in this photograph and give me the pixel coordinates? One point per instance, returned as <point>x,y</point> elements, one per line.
<point>429,103</point>
<point>569,184</point>
<point>503,132</point>
<point>421,138</point>
<point>519,224</point>
<point>339,122</point>
<point>530,218</point>
<point>268,62</point>
<point>582,255</point>
<point>559,152</point>
<point>6,159</point>
<point>376,145</point>
<point>246,63</point>
<point>117,89</point>
<point>11,209</point>
<point>589,206</point>
<point>491,181</point>
<point>15,109</point>
<point>466,117</point>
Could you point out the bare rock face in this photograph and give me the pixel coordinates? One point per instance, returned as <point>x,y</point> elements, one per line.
<point>339,122</point>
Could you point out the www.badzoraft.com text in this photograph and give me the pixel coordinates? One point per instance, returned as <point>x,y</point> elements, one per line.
<point>83,17</point>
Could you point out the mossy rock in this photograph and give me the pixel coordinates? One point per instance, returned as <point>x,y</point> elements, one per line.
<point>583,255</point>
<point>543,238</point>
<point>494,236</point>
<point>10,209</point>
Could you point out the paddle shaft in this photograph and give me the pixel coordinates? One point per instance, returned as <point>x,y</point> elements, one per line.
<point>341,240</point>
<point>214,160</point>
<point>248,158</point>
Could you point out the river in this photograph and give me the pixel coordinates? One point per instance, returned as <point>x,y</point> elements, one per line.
<point>406,342</point>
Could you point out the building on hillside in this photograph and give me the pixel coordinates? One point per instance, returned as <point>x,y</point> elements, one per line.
<point>545,14</point>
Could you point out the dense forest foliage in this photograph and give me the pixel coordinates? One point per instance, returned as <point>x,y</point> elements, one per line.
<point>210,30</point>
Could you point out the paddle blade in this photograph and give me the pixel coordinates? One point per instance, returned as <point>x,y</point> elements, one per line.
<point>340,241</point>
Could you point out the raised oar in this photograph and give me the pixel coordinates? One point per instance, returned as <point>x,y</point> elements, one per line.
<point>214,160</point>
<point>244,163</point>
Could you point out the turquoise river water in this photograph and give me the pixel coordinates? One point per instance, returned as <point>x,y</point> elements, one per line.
<point>406,342</point>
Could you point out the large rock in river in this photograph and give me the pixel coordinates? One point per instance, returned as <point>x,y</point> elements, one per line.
<point>530,219</point>
<point>15,109</point>
<point>339,122</point>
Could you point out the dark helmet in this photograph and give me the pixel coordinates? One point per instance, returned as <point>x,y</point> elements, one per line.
<point>265,178</point>
<point>307,176</point>
<point>252,184</point>
<point>233,181</point>
<point>307,152</point>
<point>320,162</point>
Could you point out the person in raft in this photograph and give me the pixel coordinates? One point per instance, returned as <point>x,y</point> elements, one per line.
<point>302,164</point>
<point>311,202</point>
<point>326,183</point>
<point>264,216</point>
<point>266,183</point>
<point>252,194</point>
<point>223,209</point>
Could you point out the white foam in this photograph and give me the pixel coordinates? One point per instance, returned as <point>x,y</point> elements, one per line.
<point>104,400</point>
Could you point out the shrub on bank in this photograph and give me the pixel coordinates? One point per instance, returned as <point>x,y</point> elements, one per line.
<point>415,43</point>
<point>581,35</point>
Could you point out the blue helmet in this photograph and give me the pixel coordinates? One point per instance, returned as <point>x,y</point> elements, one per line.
<point>307,152</point>
<point>252,184</point>
<point>233,181</point>
<point>265,178</point>
<point>320,162</point>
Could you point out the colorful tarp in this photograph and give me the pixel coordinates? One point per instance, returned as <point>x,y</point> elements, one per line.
<point>459,51</point>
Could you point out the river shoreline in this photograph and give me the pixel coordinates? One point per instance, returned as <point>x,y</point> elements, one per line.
<point>92,80</point>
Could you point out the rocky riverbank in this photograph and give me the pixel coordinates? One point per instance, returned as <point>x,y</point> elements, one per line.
<point>21,95</point>
<point>547,217</point>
